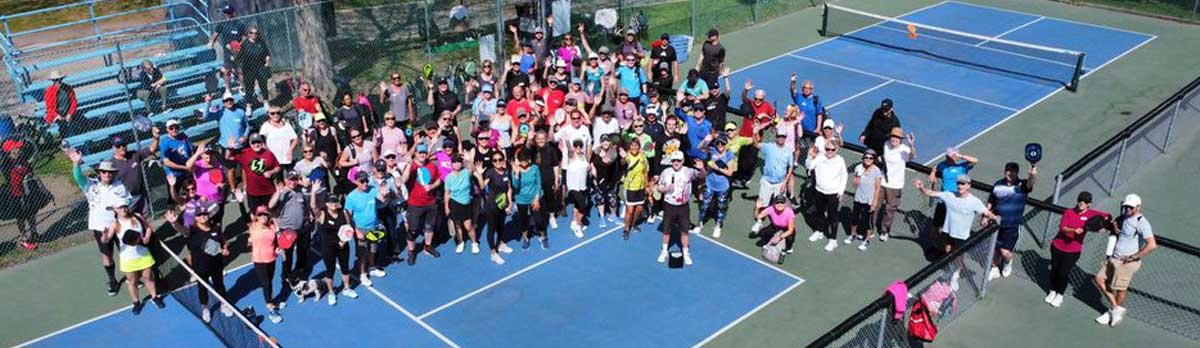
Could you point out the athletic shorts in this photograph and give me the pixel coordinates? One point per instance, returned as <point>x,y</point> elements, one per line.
<point>106,248</point>
<point>1118,274</point>
<point>635,197</point>
<point>460,212</point>
<point>1007,237</point>
<point>952,242</point>
<point>861,215</point>
<point>579,199</point>
<point>766,190</point>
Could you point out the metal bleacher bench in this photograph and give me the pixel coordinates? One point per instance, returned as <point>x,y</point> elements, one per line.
<point>36,89</point>
<point>195,132</point>
<point>94,102</point>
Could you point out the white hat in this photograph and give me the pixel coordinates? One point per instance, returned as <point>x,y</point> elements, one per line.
<point>560,63</point>
<point>677,155</point>
<point>55,75</point>
<point>1132,200</point>
<point>172,122</point>
<point>106,166</point>
<point>515,59</point>
<point>828,124</point>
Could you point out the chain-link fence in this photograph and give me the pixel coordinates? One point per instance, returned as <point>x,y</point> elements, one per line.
<point>1185,10</point>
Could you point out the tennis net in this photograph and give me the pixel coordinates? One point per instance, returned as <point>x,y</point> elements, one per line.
<point>236,331</point>
<point>1011,58</point>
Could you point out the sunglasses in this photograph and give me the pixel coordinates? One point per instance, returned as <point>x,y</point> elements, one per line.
<point>964,184</point>
<point>274,112</point>
<point>868,158</point>
<point>263,215</point>
<point>677,161</point>
<point>576,118</point>
<point>830,150</point>
<point>307,151</point>
<point>389,118</point>
<point>497,160</point>
<point>355,136</point>
<point>395,77</point>
<point>637,126</point>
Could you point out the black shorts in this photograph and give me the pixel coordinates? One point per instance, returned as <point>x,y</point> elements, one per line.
<point>635,197</point>
<point>460,212</point>
<point>951,242</point>
<point>861,215</point>
<point>1007,237</point>
<point>106,248</point>
<point>579,199</point>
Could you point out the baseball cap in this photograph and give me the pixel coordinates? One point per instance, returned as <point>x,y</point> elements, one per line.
<point>257,138</point>
<point>380,165</point>
<point>828,124</point>
<point>422,148</point>
<point>665,36</point>
<point>964,178</point>
<point>1132,200</point>
<point>676,156</point>
<point>117,140</point>
<point>1085,197</point>
<point>603,50</point>
<point>449,143</point>
<point>361,176</point>
<point>630,31</point>
<point>227,97</point>
<point>291,174</point>
<point>387,153</point>
<point>228,8</point>
<point>952,151</point>
<point>172,122</point>
<point>730,126</point>
<point>871,152</point>
<point>1012,167</point>
<point>487,87</point>
<point>887,103</point>
<point>776,199</point>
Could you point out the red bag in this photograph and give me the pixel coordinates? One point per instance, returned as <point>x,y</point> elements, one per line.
<point>920,323</point>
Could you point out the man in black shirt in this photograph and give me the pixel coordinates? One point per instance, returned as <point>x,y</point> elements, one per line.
<point>225,33</point>
<point>548,157</point>
<point>152,87</point>
<point>255,60</point>
<point>661,52</point>
<point>718,104</point>
<point>879,128</point>
<point>444,100</point>
<point>712,59</point>
<point>129,170</point>
<point>512,78</point>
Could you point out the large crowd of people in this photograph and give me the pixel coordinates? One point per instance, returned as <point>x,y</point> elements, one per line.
<point>558,130</point>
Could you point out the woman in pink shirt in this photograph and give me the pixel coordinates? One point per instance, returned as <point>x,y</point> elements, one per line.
<point>262,252</point>
<point>1068,244</point>
<point>783,222</point>
<point>209,176</point>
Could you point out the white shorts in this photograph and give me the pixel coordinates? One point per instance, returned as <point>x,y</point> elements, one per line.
<point>767,190</point>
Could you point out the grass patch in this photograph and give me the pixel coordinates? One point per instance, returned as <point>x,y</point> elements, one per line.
<point>1182,9</point>
<point>65,15</point>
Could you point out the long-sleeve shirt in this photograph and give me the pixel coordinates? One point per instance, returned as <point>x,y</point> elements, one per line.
<point>101,199</point>
<point>830,173</point>
<point>232,126</point>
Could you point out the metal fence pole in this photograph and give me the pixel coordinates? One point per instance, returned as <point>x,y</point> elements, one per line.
<point>425,9</point>
<point>882,326</point>
<point>92,14</point>
<point>696,13</point>
<point>1117,170</point>
<point>988,261</point>
<point>500,60</point>
<point>136,137</point>
<point>1171,123</point>
<point>288,22</point>
<point>1058,186</point>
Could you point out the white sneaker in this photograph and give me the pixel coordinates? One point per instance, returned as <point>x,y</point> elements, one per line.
<point>863,245</point>
<point>365,280</point>
<point>757,226</point>
<point>227,311</point>
<point>350,293</point>
<point>497,259</point>
<point>475,248</point>
<point>553,223</point>
<point>603,224</point>
<point>815,236</point>
<point>458,249</point>
<point>696,230</point>
<point>848,240</point>
<point>332,298</point>
<point>993,273</point>
<point>1105,319</point>
<point>504,248</point>
<point>378,273</point>
<point>687,259</point>
<point>1118,314</point>
<point>789,251</point>
<point>205,315</point>
<point>832,244</point>
<point>717,232</point>
<point>1007,270</point>
<point>662,256</point>
<point>1050,296</point>
<point>281,305</point>
<point>883,237</point>
<point>577,229</point>
<point>622,212</point>
<point>1057,301</point>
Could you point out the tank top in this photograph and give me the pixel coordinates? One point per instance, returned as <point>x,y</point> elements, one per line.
<point>328,229</point>
<point>262,245</point>
<point>505,130</point>
<point>130,252</point>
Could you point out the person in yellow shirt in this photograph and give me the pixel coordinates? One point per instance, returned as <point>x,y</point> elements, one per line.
<point>637,169</point>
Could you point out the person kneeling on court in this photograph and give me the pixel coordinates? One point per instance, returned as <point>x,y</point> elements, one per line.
<point>782,226</point>
<point>675,185</point>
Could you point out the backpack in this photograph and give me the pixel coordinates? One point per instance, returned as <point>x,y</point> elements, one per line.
<point>920,323</point>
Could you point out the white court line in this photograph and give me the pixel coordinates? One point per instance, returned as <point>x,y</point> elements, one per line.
<point>515,274</point>
<point>905,82</point>
<point>1053,18</point>
<point>1006,32</point>
<point>105,315</point>
<point>1051,94</point>
<point>408,314</point>
<point>747,315</point>
<point>760,261</point>
<point>956,42</point>
<point>868,90</point>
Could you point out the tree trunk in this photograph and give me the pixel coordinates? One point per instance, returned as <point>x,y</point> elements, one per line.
<point>315,63</point>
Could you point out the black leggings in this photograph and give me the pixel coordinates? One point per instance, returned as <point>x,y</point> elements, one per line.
<point>214,277</point>
<point>529,220</point>
<point>1061,263</point>
<point>295,261</point>
<point>827,213</point>
<point>330,253</point>
<point>265,271</point>
<point>494,219</point>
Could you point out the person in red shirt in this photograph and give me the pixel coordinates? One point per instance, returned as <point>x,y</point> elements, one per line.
<point>20,204</point>
<point>60,101</point>
<point>1068,244</point>
<point>762,113</point>
<point>553,97</point>
<point>422,179</point>
<point>306,101</point>
<point>258,166</point>
<point>518,101</point>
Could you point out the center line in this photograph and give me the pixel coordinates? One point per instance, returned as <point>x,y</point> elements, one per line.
<point>1035,20</point>
<point>408,314</point>
<point>868,90</point>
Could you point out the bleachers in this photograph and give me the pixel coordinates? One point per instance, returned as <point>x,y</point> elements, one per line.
<point>195,131</point>
<point>35,89</point>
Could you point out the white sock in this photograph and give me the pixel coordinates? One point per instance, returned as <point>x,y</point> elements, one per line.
<point>685,251</point>
<point>664,247</point>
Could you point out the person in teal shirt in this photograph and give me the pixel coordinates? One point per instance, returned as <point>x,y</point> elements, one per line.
<point>527,184</point>
<point>457,203</point>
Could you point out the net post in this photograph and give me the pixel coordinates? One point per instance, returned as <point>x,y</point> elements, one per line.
<point>824,20</point>
<point>1078,73</point>
<point>1058,185</point>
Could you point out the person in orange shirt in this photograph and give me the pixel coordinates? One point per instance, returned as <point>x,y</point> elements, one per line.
<point>263,250</point>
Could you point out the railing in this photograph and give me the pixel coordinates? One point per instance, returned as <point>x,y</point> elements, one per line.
<point>93,19</point>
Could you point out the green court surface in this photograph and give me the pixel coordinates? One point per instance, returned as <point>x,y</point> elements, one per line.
<point>60,290</point>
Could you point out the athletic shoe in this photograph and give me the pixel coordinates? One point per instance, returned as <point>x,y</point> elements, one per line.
<point>378,273</point>
<point>1007,270</point>
<point>475,248</point>
<point>695,230</point>
<point>815,236</point>
<point>137,307</point>
<point>28,245</point>
<point>1051,296</point>
<point>1118,314</point>
<point>993,273</point>
<point>458,249</point>
<point>662,256</point>
<point>848,240</point>
<point>432,252</point>
<point>883,237</point>
<point>864,245</point>
<point>227,311</point>
<point>829,246</point>
<point>717,232</point>
<point>553,223</point>
<point>687,259</point>
<point>332,298</point>
<point>112,288</point>
<point>755,228</point>
<point>504,248</point>
<point>603,224</point>
<point>1105,319</point>
<point>954,281</point>
<point>625,235</point>
<point>524,244</point>
<point>1057,301</point>
<point>637,229</point>
<point>281,305</point>
<point>578,230</point>
<point>412,257</point>
<point>158,302</point>
<point>205,315</point>
<point>612,218</point>
<point>545,243</point>
<point>789,251</point>
<point>350,293</point>
<point>365,280</point>
<point>274,316</point>
<point>497,259</point>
